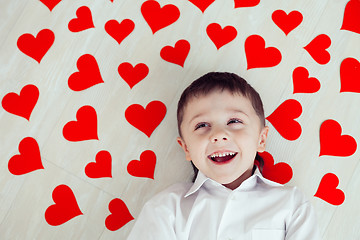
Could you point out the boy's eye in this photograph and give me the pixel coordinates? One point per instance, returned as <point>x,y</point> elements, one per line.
<point>201,125</point>
<point>235,120</point>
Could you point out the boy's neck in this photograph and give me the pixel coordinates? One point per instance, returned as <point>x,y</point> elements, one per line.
<point>235,184</point>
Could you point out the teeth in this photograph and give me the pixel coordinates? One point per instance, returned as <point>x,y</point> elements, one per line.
<point>222,154</point>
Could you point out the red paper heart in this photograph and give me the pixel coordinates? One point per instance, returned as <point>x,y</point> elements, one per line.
<point>50,3</point>
<point>65,207</point>
<point>85,128</point>
<point>21,105</point>
<point>119,31</point>
<point>317,49</point>
<point>220,36</point>
<point>83,21</point>
<point>246,3</point>
<point>36,47</point>
<point>328,192</point>
<point>332,143</point>
<point>133,75</point>
<point>101,167</point>
<point>351,21</point>
<point>280,172</point>
<point>146,120</point>
<point>177,54</point>
<point>258,56</point>
<point>29,158</point>
<point>287,22</point>
<point>159,17</point>
<point>145,167</point>
<point>119,216</point>
<point>302,82</point>
<point>350,75</point>
<point>283,119</point>
<point>88,75</point>
<point>202,4</point>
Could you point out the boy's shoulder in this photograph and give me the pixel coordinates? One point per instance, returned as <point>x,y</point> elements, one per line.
<point>170,195</point>
<point>177,194</point>
<point>291,194</point>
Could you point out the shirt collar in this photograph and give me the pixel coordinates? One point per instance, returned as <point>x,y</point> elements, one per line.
<point>199,181</point>
<point>249,183</point>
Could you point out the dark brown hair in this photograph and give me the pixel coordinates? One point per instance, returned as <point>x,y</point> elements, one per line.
<point>213,81</point>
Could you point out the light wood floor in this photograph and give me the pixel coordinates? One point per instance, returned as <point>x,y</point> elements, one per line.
<point>25,198</point>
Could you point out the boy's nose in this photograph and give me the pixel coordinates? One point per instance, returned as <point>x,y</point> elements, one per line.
<point>219,136</point>
<point>215,139</point>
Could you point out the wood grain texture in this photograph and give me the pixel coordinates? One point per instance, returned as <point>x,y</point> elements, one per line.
<point>24,199</point>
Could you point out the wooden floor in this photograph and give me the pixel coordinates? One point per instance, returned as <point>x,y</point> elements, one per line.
<point>64,121</point>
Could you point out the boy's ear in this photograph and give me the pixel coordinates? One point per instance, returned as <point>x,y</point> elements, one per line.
<point>184,147</point>
<point>262,140</point>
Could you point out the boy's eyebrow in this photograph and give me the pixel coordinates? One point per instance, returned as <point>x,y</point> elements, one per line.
<point>239,111</point>
<point>196,116</point>
<point>233,110</point>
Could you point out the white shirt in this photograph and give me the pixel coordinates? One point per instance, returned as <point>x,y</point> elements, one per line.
<point>206,210</point>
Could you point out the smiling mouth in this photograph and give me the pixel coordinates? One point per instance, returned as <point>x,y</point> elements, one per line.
<point>222,157</point>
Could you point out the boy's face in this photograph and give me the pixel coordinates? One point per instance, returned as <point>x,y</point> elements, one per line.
<point>221,134</point>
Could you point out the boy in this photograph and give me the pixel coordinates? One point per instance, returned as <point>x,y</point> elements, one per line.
<point>221,125</point>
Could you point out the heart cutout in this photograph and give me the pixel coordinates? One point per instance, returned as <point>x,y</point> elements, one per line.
<point>283,119</point>
<point>145,167</point>
<point>101,168</point>
<point>83,21</point>
<point>146,120</point>
<point>159,17</point>
<point>287,22</point>
<point>202,4</point>
<point>317,49</point>
<point>328,191</point>
<point>85,128</point>
<point>350,75</point>
<point>28,160</point>
<point>88,74</point>
<point>23,104</point>
<point>302,83</point>
<point>246,3</point>
<point>133,75</point>
<point>65,207</point>
<point>50,3</point>
<point>351,21</point>
<point>280,172</point>
<point>332,143</point>
<point>258,56</point>
<point>36,47</point>
<point>221,36</point>
<point>119,216</point>
<point>119,31</point>
<point>176,54</point>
